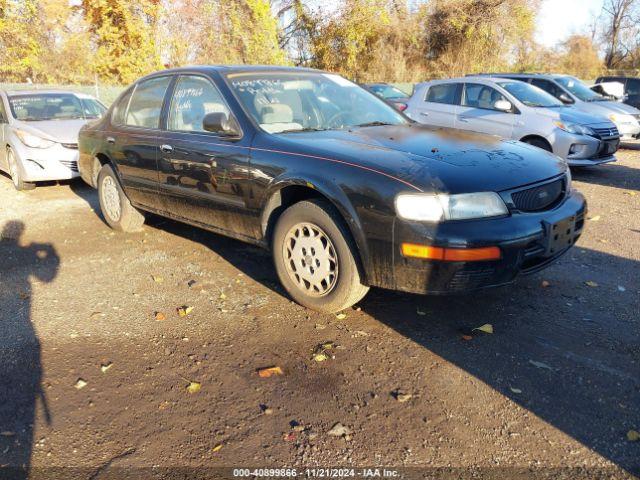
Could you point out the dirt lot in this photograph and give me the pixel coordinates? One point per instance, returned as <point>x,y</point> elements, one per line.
<point>556,386</point>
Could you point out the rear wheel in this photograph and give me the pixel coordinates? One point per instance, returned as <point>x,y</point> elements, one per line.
<point>14,172</point>
<point>116,207</point>
<point>539,142</point>
<point>315,258</point>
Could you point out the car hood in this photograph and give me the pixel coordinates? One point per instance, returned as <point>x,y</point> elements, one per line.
<point>61,131</point>
<point>573,115</point>
<point>607,108</point>
<point>432,159</point>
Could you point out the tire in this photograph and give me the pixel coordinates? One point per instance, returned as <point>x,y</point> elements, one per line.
<point>540,143</point>
<point>309,235</point>
<point>14,172</point>
<point>114,204</point>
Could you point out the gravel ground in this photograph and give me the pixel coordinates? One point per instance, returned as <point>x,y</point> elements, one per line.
<point>555,388</point>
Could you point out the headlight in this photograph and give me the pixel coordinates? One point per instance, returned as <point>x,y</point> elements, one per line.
<point>621,118</point>
<point>569,180</point>
<point>33,141</point>
<point>573,128</point>
<point>442,207</point>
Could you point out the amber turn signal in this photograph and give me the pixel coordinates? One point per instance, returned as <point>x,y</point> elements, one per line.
<point>450,254</point>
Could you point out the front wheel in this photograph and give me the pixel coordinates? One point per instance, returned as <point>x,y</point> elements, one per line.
<point>116,207</point>
<point>540,143</point>
<point>14,172</point>
<point>316,259</point>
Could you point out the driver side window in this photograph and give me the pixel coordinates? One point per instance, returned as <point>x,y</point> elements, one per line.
<point>193,98</point>
<point>480,96</point>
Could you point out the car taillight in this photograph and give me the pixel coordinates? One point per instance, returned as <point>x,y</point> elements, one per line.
<point>401,106</point>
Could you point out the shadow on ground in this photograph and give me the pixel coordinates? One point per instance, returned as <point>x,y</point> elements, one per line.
<point>20,364</point>
<point>609,175</point>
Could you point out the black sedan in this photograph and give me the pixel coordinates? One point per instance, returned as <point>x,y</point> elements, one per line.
<point>345,191</point>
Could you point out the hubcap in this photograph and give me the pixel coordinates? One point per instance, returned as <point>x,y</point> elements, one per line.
<point>310,259</point>
<point>110,198</point>
<point>13,168</point>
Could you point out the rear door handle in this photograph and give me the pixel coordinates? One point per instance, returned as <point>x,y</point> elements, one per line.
<point>166,148</point>
<point>111,140</point>
<point>463,119</point>
<point>424,114</point>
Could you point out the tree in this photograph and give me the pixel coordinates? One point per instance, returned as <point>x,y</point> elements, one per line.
<point>580,57</point>
<point>124,36</point>
<point>21,41</point>
<point>620,18</point>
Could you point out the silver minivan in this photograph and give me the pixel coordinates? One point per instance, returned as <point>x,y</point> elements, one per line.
<point>519,111</point>
<point>571,91</point>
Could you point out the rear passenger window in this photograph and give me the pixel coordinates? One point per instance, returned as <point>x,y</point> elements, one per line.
<point>443,93</point>
<point>193,98</point>
<point>120,110</point>
<point>146,103</point>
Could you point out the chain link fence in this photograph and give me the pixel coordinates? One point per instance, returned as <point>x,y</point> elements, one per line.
<point>105,93</point>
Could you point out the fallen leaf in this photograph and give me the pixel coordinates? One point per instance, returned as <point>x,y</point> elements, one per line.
<point>320,326</point>
<point>7,433</point>
<point>545,284</point>
<point>621,288</point>
<point>320,357</point>
<point>105,367</point>
<point>515,390</point>
<point>80,384</point>
<point>420,312</point>
<point>467,337</point>
<point>359,333</point>
<point>540,365</point>
<point>591,284</point>
<point>269,371</point>
<point>401,396</point>
<point>339,430</point>
<point>184,311</point>
<point>289,437</point>
<point>222,296</point>
<point>160,317</point>
<point>633,194</point>
<point>216,448</point>
<point>486,328</point>
<point>594,219</point>
<point>95,315</point>
<point>23,295</point>
<point>604,240</point>
<point>341,316</point>
<point>633,436</point>
<point>157,278</point>
<point>193,387</point>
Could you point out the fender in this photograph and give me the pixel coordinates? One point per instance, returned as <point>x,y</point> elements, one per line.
<point>336,197</point>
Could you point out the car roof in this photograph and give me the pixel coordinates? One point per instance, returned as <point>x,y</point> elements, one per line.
<point>39,90</point>
<point>476,78</point>
<point>232,69</point>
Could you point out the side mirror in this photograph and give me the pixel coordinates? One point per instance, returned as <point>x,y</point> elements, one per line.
<point>220,123</point>
<point>566,99</point>
<point>503,105</point>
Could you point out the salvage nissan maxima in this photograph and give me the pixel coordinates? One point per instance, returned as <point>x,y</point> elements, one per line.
<point>345,191</point>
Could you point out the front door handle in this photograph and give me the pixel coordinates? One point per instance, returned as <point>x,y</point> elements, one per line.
<point>111,140</point>
<point>166,148</point>
<point>424,114</point>
<point>463,119</point>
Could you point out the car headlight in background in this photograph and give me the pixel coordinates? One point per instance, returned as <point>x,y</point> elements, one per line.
<point>573,128</point>
<point>443,207</point>
<point>622,118</point>
<point>33,141</point>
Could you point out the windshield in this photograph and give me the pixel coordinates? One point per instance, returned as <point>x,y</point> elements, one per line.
<point>529,95</point>
<point>294,102</point>
<point>46,106</point>
<point>387,91</point>
<point>579,89</point>
<point>92,107</point>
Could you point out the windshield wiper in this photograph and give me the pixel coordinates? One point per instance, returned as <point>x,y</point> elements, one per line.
<point>305,129</point>
<point>375,124</point>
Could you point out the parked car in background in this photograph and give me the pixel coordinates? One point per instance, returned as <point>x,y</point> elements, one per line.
<point>515,110</point>
<point>571,91</point>
<point>631,87</point>
<point>391,94</point>
<point>610,90</point>
<point>39,134</point>
<point>344,190</point>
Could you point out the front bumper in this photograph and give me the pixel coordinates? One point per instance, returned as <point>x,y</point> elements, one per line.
<point>43,164</point>
<point>522,238</point>
<point>584,150</point>
<point>628,131</point>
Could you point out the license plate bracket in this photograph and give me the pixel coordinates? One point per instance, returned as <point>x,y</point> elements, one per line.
<point>559,235</point>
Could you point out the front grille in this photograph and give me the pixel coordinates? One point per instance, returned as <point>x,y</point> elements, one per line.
<point>539,197</point>
<point>72,146</point>
<point>606,132</point>
<point>70,164</point>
